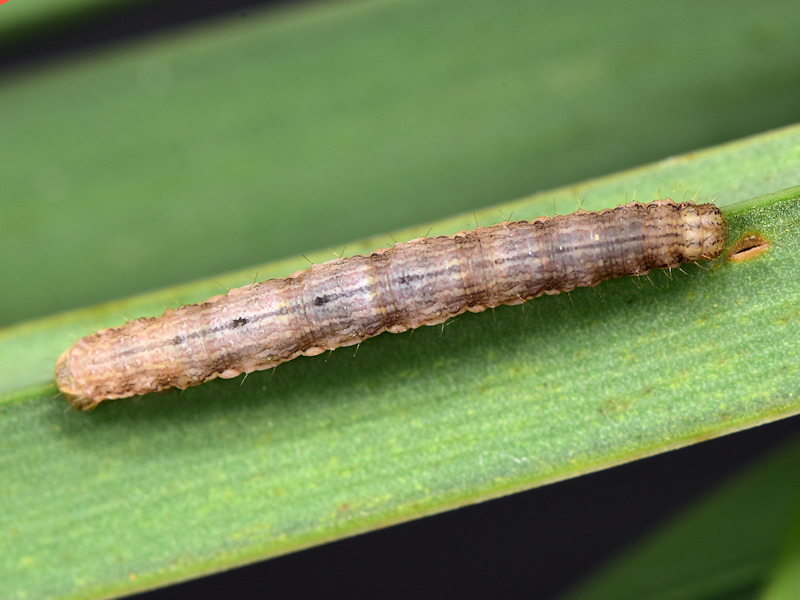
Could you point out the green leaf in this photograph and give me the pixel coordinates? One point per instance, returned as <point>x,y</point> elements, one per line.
<point>173,485</point>
<point>182,157</point>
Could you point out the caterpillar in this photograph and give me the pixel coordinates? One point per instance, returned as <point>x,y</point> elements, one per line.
<point>422,282</point>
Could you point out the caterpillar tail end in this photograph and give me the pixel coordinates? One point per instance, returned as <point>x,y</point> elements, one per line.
<point>68,386</point>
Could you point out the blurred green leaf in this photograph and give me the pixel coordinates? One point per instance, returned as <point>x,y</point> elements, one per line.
<point>784,581</point>
<point>727,546</point>
<point>27,22</point>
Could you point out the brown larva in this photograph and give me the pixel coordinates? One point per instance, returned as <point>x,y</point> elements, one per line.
<point>422,282</point>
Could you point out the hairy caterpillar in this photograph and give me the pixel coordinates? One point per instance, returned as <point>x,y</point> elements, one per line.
<point>422,282</point>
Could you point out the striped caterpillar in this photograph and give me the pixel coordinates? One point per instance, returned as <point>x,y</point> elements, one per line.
<point>422,282</point>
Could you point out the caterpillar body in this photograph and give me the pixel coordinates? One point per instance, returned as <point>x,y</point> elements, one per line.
<point>422,282</point>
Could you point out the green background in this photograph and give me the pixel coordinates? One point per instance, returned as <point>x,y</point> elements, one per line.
<point>230,143</point>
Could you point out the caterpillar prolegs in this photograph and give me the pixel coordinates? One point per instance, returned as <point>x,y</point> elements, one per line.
<point>422,282</point>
